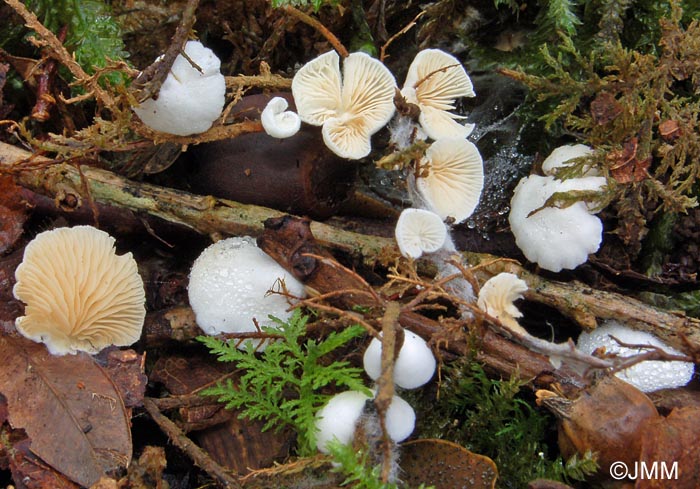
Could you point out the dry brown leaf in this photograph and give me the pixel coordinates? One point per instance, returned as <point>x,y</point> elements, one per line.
<point>126,368</point>
<point>445,465</point>
<point>69,408</point>
<point>13,213</point>
<point>669,442</point>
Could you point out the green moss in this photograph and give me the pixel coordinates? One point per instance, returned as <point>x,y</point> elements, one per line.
<point>494,418</point>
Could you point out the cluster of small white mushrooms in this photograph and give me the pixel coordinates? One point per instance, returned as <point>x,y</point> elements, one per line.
<point>414,367</point>
<point>556,238</point>
<point>647,376</point>
<point>191,97</point>
<point>230,284</point>
<point>79,294</point>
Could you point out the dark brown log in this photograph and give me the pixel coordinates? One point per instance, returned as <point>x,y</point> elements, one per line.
<point>297,174</point>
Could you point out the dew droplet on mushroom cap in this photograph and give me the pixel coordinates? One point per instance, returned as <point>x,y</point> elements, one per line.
<point>79,294</point>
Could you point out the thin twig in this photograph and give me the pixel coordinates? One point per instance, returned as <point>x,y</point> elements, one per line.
<point>307,19</point>
<point>148,83</point>
<point>408,27</point>
<point>196,454</point>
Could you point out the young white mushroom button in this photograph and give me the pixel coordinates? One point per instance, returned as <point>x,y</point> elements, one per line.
<point>279,122</point>
<point>414,366</point>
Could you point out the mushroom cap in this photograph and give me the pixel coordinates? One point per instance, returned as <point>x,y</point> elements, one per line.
<point>419,231</point>
<point>80,295</point>
<point>455,178</point>
<point>279,122</point>
<point>189,101</point>
<point>351,110</point>
<point>414,366</point>
<point>339,417</point>
<point>434,81</point>
<point>559,158</point>
<point>647,376</point>
<point>498,294</point>
<point>229,284</point>
<point>554,238</point>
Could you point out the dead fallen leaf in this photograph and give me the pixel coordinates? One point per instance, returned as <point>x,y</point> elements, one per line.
<point>445,465</point>
<point>669,442</point>
<point>81,432</point>
<point>126,369</point>
<point>28,471</point>
<point>13,213</point>
<point>625,167</point>
<point>605,108</point>
<point>10,308</point>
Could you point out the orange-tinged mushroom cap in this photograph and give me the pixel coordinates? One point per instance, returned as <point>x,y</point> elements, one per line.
<point>79,295</point>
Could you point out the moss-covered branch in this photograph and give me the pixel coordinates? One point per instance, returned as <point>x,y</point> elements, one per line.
<point>209,215</point>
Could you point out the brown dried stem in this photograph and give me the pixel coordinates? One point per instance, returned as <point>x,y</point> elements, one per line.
<point>307,19</point>
<point>148,83</point>
<point>56,50</point>
<point>196,454</point>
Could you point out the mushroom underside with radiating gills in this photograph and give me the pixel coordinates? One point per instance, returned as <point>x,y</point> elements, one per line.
<point>190,100</point>
<point>497,297</point>
<point>450,179</point>
<point>419,231</point>
<point>647,376</point>
<point>554,238</point>
<point>79,294</point>
<point>229,285</point>
<point>350,108</point>
<point>435,80</point>
<point>298,174</point>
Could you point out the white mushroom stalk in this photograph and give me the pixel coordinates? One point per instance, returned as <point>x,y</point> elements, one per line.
<point>451,178</point>
<point>554,238</point>
<point>229,285</point>
<point>279,122</point>
<point>419,231</point>
<point>497,297</point>
<point>435,80</point>
<point>647,376</point>
<point>79,294</point>
<point>190,100</point>
<point>350,110</point>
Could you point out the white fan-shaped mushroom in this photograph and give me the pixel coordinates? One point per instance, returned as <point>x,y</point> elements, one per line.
<point>497,297</point>
<point>229,284</point>
<point>279,122</point>
<point>419,231</point>
<point>455,178</point>
<point>561,157</point>
<point>554,238</point>
<point>435,80</point>
<point>647,376</point>
<point>351,110</point>
<point>189,101</point>
<point>80,295</point>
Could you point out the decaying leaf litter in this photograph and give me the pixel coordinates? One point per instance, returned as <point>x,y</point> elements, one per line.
<point>526,403</point>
